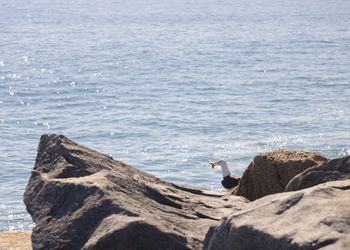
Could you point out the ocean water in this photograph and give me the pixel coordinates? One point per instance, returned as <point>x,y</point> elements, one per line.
<point>167,86</point>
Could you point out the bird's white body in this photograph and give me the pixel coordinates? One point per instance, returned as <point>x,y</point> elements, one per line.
<point>224,169</point>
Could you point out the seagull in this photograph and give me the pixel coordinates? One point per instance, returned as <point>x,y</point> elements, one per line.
<point>229,180</point>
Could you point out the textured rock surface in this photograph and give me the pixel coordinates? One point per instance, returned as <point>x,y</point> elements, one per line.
<point>307,219</point>
<point>15,240</point>
<point>337,169</point>
<point>269,173</point>
<point>80,198</point>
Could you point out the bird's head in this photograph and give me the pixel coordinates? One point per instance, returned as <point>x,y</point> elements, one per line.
<point>219,163</point>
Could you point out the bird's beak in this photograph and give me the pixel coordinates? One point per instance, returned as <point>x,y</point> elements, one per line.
<point>213,164</point>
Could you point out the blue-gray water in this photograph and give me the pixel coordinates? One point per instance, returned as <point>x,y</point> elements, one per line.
<point>167,86</point>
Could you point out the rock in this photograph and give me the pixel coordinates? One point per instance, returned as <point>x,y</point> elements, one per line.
<point>269,173</point>
<point>15,240</point>
<point>337,169</point>
<point>82,199</point>
<point>340,244</point>
<point>307,219</point>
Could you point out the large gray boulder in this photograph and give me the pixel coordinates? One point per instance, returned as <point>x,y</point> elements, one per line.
<point>270,172</point>
<point>82,199</point>
<point>307,219</point>
<point>337,169</point>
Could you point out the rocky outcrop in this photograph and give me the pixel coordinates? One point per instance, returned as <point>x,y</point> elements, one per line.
<point>15,240</point>
<point>337,169</point>
<point>307,219</point>
<point>269,173</point>
<point>82,199</point>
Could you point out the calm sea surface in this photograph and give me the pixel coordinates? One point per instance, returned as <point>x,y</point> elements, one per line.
<point>167,86</point>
